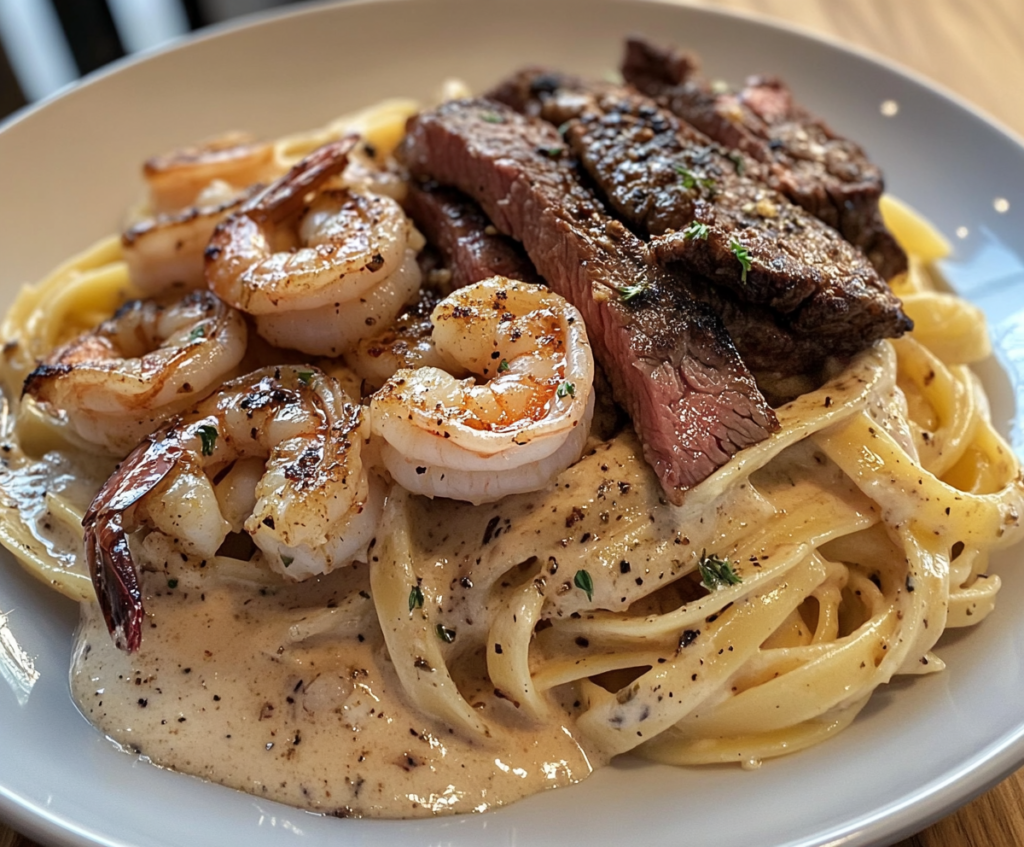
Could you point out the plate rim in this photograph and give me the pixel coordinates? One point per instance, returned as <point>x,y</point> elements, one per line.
<point>909,813</point>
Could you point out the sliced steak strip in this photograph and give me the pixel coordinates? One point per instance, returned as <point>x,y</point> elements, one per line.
<point>666,179</point>
<point>470,247</point>
<point>828,175</point>
<point>670,362</point>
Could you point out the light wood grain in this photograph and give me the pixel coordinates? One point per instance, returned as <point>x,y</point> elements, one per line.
<point>974,50</point>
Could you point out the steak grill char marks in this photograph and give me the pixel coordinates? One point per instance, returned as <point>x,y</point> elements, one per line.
<point>797,292</point>
<point>670,362</point>
<point>829,176</point>
<point>470,247</point>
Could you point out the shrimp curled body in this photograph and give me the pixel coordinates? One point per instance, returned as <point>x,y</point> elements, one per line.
<point>513,432</point>
<point>191,190</point>
<point>120,381</point>
<point>317,274</point>
<point>314,508</point>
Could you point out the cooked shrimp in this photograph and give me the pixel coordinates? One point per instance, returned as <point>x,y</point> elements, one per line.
<point>166,252</point>
<point>148,362</point>
<point>177,179</point>
<point>513,432</point>
<point>191,190</point>
<point>317,274</point>
<point>315,506</point>
<point>406,343</point>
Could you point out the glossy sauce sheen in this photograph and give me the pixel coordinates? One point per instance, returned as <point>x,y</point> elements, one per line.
<point>321,723</point>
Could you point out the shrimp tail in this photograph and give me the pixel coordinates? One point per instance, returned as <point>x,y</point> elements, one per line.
<point>111,566</point>
<point>116,582</point>
<point>282,198</point>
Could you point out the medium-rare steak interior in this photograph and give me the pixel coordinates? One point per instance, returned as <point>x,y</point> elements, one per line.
<point>828,175</point>
<point>668,358</point>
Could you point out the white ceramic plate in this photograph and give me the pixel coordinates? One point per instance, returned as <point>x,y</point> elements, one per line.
<point>69,169</point>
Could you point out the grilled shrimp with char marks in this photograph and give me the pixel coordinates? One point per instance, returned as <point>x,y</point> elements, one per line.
<point>517,422</point>
<point>319,267</point>
<point>315,506</point>
<point>148,362</point>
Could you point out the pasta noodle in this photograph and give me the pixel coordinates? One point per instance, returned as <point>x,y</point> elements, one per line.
<point>584,620</point>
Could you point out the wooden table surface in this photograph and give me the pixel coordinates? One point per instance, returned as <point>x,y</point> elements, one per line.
<point>974,48</point>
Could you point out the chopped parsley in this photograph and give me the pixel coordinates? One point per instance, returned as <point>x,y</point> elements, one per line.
<point>738,162</point>
<point>741,253</point>
<point>305,377</point>
<point>697,230</point>
<point>628,292</point>
<point>445,634</point>
<point>562,128</point>
<point>503,366</point>
<point>197,332</point>
<point>585,583</point>
<point>691,180</point>
<point>551,152</point>
<point>287,560</point>
<point>492,117</point>
<point>566,389</point>
<point>172,583</point>
<point>208,436</point>
<point>716,573</point>
<point>415,598</point>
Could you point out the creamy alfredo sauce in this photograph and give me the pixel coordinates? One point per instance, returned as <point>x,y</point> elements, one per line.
<point>288,691</point>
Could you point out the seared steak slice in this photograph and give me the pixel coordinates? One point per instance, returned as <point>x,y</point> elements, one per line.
<point>666,179</point>
<point>471,248</point>
<point>670,362</point>
<point>828,175</point>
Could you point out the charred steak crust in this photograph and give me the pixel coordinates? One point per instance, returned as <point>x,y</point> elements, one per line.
<point>800,293</point>
<point>828,175</point>
<point>470,247</point>
<point>668,358</point>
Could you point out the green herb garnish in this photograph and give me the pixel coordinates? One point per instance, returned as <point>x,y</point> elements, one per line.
<point>208,435</point>
<point>566,389</point>
<point>741,253</point>
<point>585,583</point>
<point>492,117</point>
<point>628,292</point>
<point>172,583</point>
<point>287,560</point>
<point>445,634</point>
<point>551,152</point>
<point>415,598</point>
<point>697,230</point>
<point>691,180</point>
<point>716,573</point>
<point>305,377</point>
<point>738,162</point>
<point>503,366</point>
<point>198,332</point>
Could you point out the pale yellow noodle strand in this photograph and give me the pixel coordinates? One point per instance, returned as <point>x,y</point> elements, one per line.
<point>411,635</point>
<point>511,631</point>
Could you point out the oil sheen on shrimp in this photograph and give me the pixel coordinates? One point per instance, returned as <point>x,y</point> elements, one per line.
<point>313,508</point>
<point>319,274</point>
<point>177,179</point>
<point>120,381</point>
<point>517,422</point>
<point>191,190</point>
